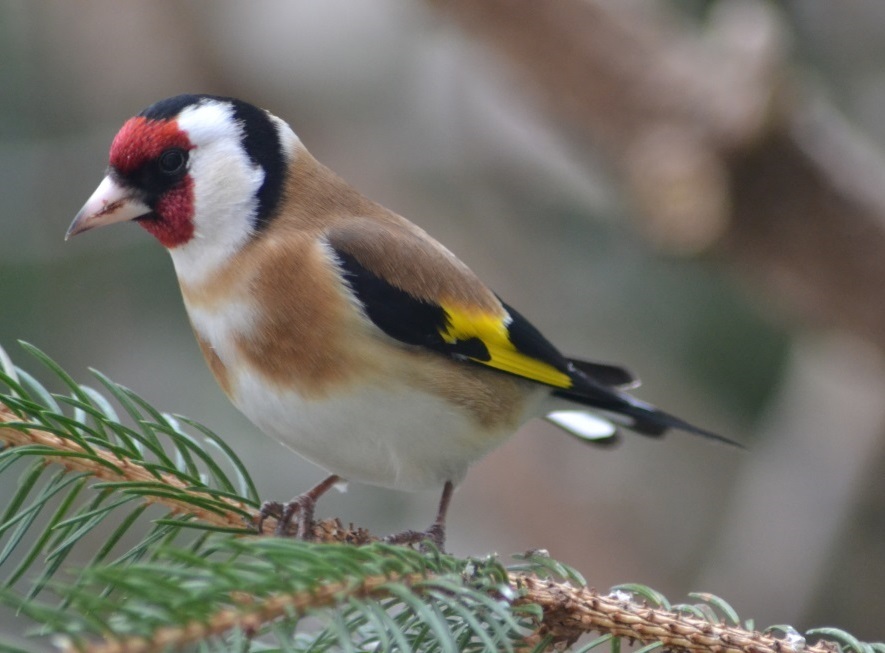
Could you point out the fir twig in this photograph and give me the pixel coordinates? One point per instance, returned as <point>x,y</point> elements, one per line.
<point>225,588</point>
<point>570,612</point>
<point>250,617</point>
<point>115,468</point>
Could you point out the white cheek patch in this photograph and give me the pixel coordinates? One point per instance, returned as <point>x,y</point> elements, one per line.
<point>225,186</point>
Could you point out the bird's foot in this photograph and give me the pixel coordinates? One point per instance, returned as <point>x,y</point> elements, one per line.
<point>436,535</point>
<point>301,509</point>
<point>268,509</point>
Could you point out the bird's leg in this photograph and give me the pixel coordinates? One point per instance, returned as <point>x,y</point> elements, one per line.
<point>303,505</point>
<point>437,531</point>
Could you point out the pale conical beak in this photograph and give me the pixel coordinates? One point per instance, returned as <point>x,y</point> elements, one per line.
<point>110,203</point>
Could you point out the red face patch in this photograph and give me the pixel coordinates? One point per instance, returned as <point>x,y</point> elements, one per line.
<point>141,140</point>
<point>139,144</point>
<point>174,223</point>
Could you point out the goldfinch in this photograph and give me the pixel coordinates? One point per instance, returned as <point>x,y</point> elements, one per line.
<point>336,326</point>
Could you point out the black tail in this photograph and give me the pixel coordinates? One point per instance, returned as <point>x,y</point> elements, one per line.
<point>641,417</point>
<point>613,376</point>
<point>649,420</point>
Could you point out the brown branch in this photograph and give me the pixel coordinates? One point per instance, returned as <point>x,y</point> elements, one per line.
<point>253,615</point>
<point>568,612</point>
<point>129,470</point>
<point>719,143</point>
<point>330,530</point>
<point>571,612</point>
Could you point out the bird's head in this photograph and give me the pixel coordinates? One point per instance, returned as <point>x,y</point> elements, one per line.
<point>201,173</point>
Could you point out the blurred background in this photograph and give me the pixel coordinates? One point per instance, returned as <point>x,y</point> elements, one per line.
<point>693,189</point>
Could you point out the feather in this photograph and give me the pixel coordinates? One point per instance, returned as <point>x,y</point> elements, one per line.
<point>421,309</point>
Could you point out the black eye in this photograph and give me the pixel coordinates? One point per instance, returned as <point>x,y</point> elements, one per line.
<point>172,161</point>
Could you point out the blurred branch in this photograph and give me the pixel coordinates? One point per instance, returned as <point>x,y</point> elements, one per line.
<point>716,139</point>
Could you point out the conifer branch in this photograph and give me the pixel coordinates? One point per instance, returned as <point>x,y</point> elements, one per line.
<point>570,612</point>
<point>222,585</point>
<point>253,615</point>
<point>114,468</point>
<point>118,468</point>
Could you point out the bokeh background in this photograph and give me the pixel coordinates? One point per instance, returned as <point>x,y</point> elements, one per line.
<point>692,189</point>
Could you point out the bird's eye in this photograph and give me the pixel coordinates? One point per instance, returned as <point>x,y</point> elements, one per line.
<point>173,161</point>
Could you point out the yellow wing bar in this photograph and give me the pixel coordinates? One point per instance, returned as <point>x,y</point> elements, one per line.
<point>492,331</point>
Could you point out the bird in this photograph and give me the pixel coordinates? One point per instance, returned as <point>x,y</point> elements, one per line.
<point>336,326</point>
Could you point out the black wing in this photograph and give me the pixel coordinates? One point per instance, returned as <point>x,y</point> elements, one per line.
<point>507,343</point>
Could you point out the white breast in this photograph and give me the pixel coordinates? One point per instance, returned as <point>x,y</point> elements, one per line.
<point>386,435</point>
<point>377,430</point>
